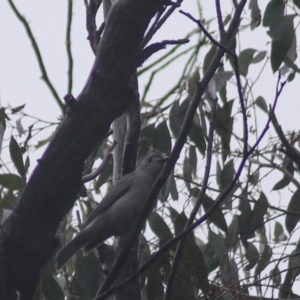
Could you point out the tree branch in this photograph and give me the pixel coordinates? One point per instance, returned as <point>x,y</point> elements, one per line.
<point>68,46</point>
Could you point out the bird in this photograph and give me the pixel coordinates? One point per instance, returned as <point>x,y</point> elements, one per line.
<point>114,215</point>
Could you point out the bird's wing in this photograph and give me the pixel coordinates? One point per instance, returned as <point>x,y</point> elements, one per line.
<point>118,190</point>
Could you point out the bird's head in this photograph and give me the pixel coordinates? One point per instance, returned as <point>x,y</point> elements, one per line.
<point>153,162</point>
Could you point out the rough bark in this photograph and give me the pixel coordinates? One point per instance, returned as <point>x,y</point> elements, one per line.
<point>28,237</point>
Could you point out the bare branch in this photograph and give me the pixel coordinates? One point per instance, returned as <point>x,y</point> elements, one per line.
<point>68,46</point>
<point>92,8</point>
<point>102,166</point>
<point>160,20</point>
<point>220,19</point>
<point>153,48</point>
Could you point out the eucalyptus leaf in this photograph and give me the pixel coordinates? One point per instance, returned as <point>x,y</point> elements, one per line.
<point>159,227</point>
<point>16,156</point>
<point>162,138</point>
<point>217,217</point>
<point>255,14</point>
<point>259,210</point>
<point>11,181</point>
<point>87,273</point>
<point>252,256</point>
<point>291,220</point>
<point>285,181</point>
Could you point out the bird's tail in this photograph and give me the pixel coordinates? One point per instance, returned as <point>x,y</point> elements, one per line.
<point>69,250</point>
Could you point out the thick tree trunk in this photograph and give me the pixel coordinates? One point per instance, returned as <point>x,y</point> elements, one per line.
<point>27,238</point>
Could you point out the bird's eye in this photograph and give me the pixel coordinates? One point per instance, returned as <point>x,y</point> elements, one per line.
<point>149,160</point>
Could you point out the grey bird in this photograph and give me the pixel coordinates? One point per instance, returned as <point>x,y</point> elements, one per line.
<point>116,212</point>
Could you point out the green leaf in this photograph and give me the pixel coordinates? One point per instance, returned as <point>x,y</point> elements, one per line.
<point>254,177</point>
<point>232,232</point>
<point>11,181</point>
<point>173,189</point>
<point>285,291</point>
<point>259,57</point>
<point>229,272</point>
<point>193,82</point>
<point>252,256</point>
<point>185,289</point>
<point>221,79</point>
<point>162,138</point>
<point>274,11</point>
<point>294,261</point>
<point>195,264</point>
<point>244,220</point>
<point>279,235</point>
<point>168,187</point>
<point>218,173</point>
<point>285,181</point>
<point>275,275</point>
<point>197,267</point>
<point>245,59</point>
<point>297,3</point>
<point>104,175</point>
<point>193,160</point>
<point>87,273</point>
<point>217,243</point>
<point>17,109</point>
<point>187,173</point>
<point>154,287</point>
<point>208,57</point>
<point>210,258</point>
<point>43,142</point>
<point>227,175</point>
<point>281,40</point>
<point>16,156</point>
<point>224,125</point>
<point>159,228</point>
<point>177,114</point>
<point>261,103</point>
<point>50,288</point>
<point>196,136</point>
<point>264,260</point>
<point>8,200</point>
<point>294,206</point>
<point>180,223</point>
<point>147,135</point>
<point>259,210</point>
<point>217,217</point>
<point>255,14</point>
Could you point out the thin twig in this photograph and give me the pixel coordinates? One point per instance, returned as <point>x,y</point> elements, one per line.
<point>237,75</point>
<point>92,8</point>
<point>38,55</point>
<point>220,19</point>
<point>68,46</point>
<point>102,166</point>
<point>199,23</point>
<point>278,167</point>
<point>158,23</point>
<point>153,48</point>
<point>290,151</point>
